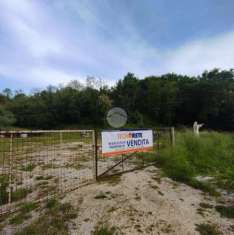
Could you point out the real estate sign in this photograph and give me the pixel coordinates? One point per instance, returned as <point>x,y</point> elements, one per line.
<point>122,142</point>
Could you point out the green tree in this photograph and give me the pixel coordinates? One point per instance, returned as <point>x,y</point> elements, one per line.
<point>6,118</point>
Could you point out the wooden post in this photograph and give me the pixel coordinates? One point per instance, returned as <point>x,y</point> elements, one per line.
<point>172,135</point>
<point>158,138</point>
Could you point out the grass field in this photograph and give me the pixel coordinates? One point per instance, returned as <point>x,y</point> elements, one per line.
<point>209,155</point>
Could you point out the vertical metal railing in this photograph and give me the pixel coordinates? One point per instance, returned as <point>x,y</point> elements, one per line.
<point>10,168</point>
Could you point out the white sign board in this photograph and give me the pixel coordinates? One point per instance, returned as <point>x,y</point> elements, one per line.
<point>121,142</point>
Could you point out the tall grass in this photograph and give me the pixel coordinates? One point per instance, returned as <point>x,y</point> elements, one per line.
<point>210,154</point>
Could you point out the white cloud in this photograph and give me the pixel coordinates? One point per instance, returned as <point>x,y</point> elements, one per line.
<point>195,57</point>
<point>38,75</point>
<point>29,24</point>
<point>56,50</point>
<point>35,41</point>
<point>52,76</point>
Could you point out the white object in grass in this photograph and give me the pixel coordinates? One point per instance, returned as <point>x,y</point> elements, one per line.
<point>196,127</point>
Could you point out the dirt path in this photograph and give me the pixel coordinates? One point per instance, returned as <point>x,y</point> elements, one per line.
<point>142,202</point>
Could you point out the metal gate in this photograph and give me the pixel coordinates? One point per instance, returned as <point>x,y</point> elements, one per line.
<point>106,166</point>
<point>38,164</point>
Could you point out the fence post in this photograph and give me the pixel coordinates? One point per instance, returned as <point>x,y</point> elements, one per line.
<point>95,155</point>
<point>158,135</point>
<point>61,138</point>
<point>172,136</point>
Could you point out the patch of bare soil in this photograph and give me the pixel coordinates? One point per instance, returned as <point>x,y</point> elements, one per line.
<point>142,202</point>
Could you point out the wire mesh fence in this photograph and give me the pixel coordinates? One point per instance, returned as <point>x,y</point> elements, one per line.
<point>35,165</point>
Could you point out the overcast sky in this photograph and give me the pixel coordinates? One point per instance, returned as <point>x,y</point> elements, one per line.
<point>46,42</point>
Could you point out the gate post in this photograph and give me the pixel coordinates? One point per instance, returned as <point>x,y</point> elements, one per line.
<point>95,155</point>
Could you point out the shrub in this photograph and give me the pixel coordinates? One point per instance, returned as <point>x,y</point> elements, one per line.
<point>210,154</point>
<point>226,211</point>
<point>208,229</point>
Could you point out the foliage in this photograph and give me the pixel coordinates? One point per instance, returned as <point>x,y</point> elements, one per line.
<point>24,213</point>
<point>226,211</point>
<point>28,207</point>
<point>20,193</point>
<point>105,230</point>
<point>6,117</point>
<point>19,218</point>
<point>208,229</point>
<point>16,195</point>
<point>4,182</point>
<point>210,154</point>
<point>169,99</point>
<point>28,167</point>
<point>54,221</point>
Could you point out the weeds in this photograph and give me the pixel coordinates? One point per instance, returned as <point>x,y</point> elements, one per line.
<point>4,182</point>
<point>211,154</point>
<point>28,167</point>
<point>53,222</point>
<point>112,180</point>
<point>41,177</point>
<point>75,165</point>
<point>28,207</point>
<point>42,184</point>
<point>226,211</point>
<point>51,203</point>
<point>19,219</point>
<point>205,205</point>
<point>203,208</point>
<point>105,230</point>
<point>201,211</point>
<point>101,195</point>
<point>24,213</point>
<point>16,195</point>
<point>208,229</point>
<point>204,186</point>
<point>20,193</point>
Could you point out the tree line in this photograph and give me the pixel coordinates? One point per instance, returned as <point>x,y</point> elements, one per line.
<point>165,100</point>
